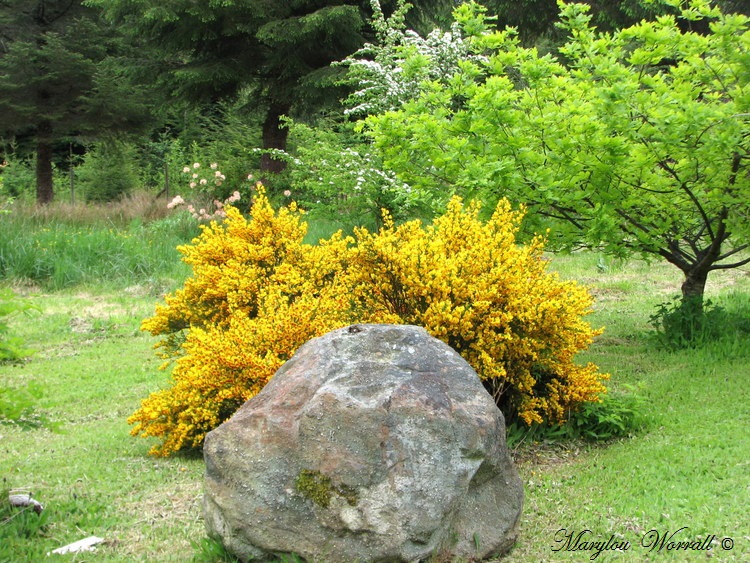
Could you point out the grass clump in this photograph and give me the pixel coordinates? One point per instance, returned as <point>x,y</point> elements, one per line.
<point>210,550</point>
<point>616,415</point>
<point>56,254</point>
<point>20,529</point>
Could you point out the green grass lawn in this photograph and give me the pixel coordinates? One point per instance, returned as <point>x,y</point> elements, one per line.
<point>93,366</point>
<point>689,469</point>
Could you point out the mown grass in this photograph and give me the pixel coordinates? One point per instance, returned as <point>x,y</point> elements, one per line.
<point>94,366</point>
<point>688,468</point>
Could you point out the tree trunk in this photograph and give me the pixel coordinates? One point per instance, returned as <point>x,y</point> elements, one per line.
<point>44,187</point>
<point>274,137</point>
<point>693,289</point>
<point>694,285</point>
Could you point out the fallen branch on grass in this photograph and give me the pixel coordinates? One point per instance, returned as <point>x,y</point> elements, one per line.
<point>86,544</point>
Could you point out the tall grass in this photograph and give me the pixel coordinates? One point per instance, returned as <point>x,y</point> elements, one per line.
<point>115,245</point>
<point>141,206</point>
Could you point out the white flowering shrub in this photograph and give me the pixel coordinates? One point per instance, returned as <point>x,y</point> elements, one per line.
<point>201,180</point>
<point>392,71</point>
<point>203,183</point>
<point>337,175</point>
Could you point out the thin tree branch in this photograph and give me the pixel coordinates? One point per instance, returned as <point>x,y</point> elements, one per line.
<point>632,221</point>
<point>683,186</point>
<point>733,252</point>
<point>730,266</point>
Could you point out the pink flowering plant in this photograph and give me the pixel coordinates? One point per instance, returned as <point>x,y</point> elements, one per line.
<point>204,182</point>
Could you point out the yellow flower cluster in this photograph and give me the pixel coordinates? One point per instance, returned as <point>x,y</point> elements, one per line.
<point>258,293</point>
<point>469,284</point>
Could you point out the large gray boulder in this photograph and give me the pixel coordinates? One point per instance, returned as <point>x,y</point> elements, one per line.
<point>373,443</point>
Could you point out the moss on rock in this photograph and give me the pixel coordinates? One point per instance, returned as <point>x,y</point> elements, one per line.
<point>319,488</point>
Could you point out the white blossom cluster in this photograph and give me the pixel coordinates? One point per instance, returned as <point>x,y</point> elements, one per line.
<point>393,71</point>
<point>358,170</point>
<point>332,175</point>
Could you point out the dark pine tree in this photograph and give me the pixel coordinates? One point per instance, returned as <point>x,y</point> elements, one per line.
<point>60,78</point>
<point>277,53</point>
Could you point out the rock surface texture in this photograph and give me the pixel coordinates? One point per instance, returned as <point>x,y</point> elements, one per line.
<point>373,443</point>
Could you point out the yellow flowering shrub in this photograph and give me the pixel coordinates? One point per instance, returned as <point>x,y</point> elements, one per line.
<point>469,284</point>
<point>258,292</point>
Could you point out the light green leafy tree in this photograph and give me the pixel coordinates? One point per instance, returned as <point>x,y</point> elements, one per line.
<point>636,142</point>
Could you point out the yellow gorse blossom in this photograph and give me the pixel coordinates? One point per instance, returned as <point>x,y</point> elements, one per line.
<point>470,285</point>
<point>258,292</point>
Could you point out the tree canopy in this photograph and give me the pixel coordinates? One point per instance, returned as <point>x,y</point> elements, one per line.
<point>59,78</point>
<point>276,54</point>
<point>536,20</point>
<point>636,141</point>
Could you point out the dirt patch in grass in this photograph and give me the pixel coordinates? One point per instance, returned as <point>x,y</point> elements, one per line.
<point>541,455</point>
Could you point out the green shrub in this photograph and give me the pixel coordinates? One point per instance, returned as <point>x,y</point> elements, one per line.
<point>334,174</point>
<point>18,407</point>
<point>18,178</point>
<point>108,172</point>
<point>680,323</point>
<point>616,415</point>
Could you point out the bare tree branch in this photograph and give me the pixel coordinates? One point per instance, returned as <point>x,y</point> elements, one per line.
<point>730,266</point>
